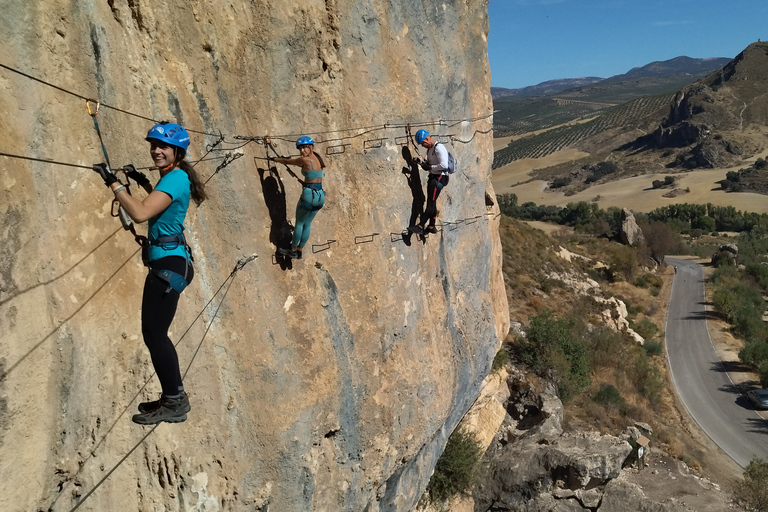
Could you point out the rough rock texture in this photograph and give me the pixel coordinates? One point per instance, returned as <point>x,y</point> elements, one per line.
<point>331,384</point>
<point>533,464</point>
<point>630,232</point>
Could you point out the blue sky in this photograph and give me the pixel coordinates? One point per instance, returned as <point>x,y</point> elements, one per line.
<point>532,41</point>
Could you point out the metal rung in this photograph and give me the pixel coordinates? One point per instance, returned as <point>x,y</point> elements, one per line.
<point>394,236</point>
<point>322,247</point>
<point>336,150</point>
<point>364,239</point>
<point>373,143</point>
<point>401,141</point>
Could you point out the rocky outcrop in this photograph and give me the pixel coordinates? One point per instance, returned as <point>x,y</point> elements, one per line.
<point>532,464</point>
<point>328,383</point>
<point>630,233</point>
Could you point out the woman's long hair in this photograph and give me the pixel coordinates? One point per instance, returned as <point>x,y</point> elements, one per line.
<point>196,187</point>
<point>319,158</point>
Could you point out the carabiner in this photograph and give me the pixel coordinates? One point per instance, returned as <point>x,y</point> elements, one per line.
<point>88,106</point>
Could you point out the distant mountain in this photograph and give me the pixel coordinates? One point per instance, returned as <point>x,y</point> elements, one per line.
<point>652,78</point>
<point>677,66</point>
<point>547,88</point>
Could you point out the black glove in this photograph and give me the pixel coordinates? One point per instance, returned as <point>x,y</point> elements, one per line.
<point>425,165</point>
<point>136,175</point>
<point>107,175</point>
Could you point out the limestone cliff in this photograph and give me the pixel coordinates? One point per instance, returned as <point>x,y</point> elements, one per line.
<point>331,384</point>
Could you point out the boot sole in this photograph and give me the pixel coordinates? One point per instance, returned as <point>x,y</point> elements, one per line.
<point>177,419</point>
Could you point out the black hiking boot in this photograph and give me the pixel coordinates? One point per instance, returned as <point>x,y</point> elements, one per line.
<point>171,410</point>
<point>149,406</point>
<point>290,253</point>
<point>430,229</point>
<point>416,229</point>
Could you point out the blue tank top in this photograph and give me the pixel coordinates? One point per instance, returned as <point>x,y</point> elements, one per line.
<point>312,174</point>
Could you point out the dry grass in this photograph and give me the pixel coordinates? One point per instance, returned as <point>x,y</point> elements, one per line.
<point>527,253</point>
<point>635,193</point>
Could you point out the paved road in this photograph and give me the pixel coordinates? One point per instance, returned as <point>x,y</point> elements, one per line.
<point>701,379</point>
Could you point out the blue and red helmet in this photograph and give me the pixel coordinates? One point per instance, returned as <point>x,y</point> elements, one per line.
<point>421,135</point>
<point>170,134</point>
<point>304,141</point>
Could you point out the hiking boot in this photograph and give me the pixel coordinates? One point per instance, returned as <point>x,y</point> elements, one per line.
<point>149,406</point>
<point>416,229</point>
<point>171,410</point>
<point>298,257</point>
<point>290,253</point>
<point>430,229</point>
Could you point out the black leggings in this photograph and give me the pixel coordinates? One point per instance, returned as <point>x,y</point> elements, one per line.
<point>433,191</point>
<point>158,307</point>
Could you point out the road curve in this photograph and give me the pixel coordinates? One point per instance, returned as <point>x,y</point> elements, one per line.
<point>699,376</point>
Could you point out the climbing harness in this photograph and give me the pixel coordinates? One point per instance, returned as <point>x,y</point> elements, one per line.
<point>174,280</point>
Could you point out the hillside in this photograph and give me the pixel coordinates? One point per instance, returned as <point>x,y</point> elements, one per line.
<point>329,383</point>
<point>713,123</point>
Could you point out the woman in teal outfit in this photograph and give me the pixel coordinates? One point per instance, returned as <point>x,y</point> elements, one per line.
<point>168,258</point>
<point>312,194</point>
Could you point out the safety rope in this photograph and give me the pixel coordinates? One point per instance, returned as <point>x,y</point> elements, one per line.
<point>231,278</point>
<point>86,98</point>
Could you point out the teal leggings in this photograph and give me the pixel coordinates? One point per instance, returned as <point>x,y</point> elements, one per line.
<point>310,202</point>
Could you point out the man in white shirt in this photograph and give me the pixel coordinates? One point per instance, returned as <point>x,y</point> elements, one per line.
<point>437,164</point>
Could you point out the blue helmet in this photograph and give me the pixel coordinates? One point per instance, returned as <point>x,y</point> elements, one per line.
<point>421,135</point>
<point>170,134</point>
<point>304,141</point>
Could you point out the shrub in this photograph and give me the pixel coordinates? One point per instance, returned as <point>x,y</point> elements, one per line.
<point>645,328</point>
<point>610,397</point>
<point>456,469</point>
<point>752,490</point>
<point>760,163</point>
<point>653,348</point>
<point>500,360</point>
<point>560,182</point>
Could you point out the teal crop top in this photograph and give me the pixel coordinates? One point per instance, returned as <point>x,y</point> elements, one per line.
<point>312,174</point>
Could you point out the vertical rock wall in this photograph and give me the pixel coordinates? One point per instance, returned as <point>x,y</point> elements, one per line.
<point>331,384</point>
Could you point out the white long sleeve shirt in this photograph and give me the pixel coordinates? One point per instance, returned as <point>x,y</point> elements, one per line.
<point>437,158</point>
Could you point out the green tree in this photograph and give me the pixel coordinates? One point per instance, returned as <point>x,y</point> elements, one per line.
<point>752,491</point>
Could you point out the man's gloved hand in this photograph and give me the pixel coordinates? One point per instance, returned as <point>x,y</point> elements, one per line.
<point>425,165</point>
<point>136,175</point>
<point>107,175</point>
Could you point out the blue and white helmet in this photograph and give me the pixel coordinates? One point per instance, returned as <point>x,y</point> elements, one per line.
<point>170,134</point>
<point>421,135</point>
<point>304,141</point>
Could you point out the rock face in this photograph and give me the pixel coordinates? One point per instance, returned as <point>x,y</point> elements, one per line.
<point>329,384</point>
<point>630,233</point>
<point>532,463</point>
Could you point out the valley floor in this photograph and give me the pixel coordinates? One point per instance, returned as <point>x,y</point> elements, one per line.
<point>634,193</point>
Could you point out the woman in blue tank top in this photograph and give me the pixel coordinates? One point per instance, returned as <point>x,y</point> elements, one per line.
<point>312,196</point>
<point>168,257</point>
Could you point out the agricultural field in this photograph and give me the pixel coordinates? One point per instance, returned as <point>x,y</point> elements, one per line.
<point>551,141</point>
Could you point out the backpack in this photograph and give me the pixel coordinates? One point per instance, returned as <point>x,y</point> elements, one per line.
<point>451,161</point>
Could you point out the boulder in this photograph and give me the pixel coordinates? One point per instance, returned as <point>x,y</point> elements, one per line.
<point>630,233</point>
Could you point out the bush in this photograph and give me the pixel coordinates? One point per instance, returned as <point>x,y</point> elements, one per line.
<point>560,182</point>
<point>752,491</point>
<point>500,360</point>
<point>456,469</point>
<point>645,328</point>
<point>551,349</point>
<point>610,397</point>
<point>653,348</point>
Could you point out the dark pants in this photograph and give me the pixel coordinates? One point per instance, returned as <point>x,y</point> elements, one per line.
<point>435,184</point>
<point>158,307</point>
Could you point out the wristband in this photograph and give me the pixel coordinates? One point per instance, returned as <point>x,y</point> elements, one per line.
<point>118,189</point>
